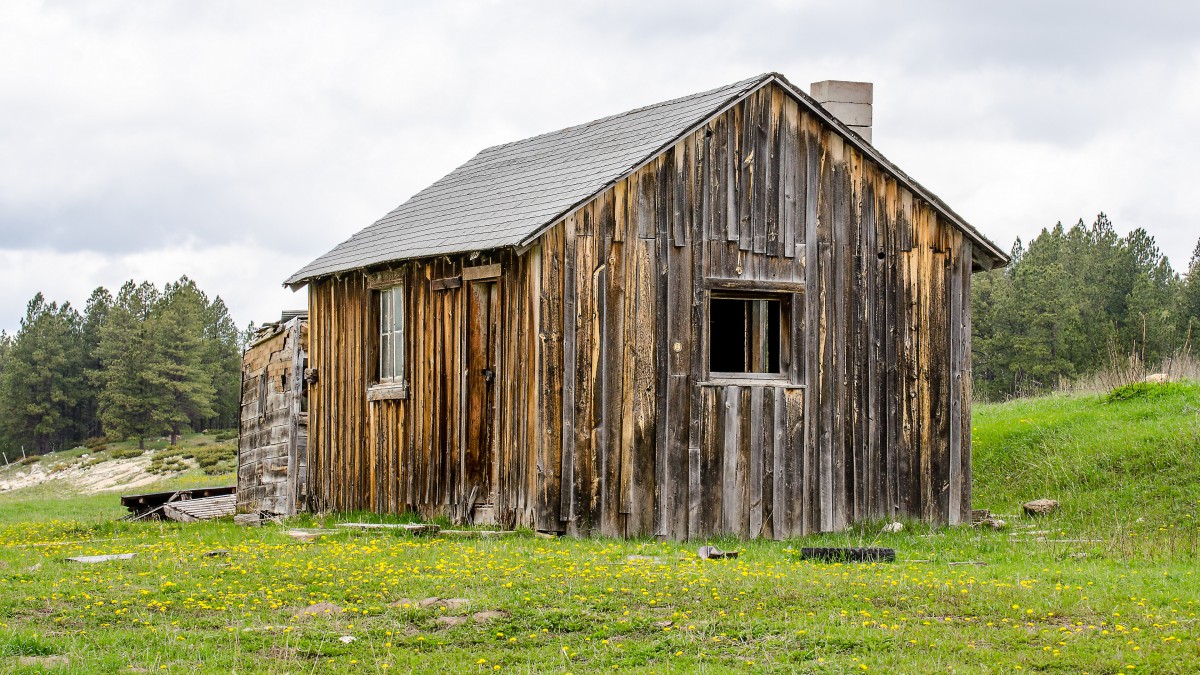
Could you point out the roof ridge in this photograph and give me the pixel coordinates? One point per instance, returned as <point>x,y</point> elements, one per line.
<point>506,194</point>
<point>741,86</point>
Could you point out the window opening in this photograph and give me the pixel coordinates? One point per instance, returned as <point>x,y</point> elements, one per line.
<point>744,335</point>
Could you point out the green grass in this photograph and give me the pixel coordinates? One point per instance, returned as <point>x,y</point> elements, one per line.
<point>1106,585</point>
<point>1123,466</point>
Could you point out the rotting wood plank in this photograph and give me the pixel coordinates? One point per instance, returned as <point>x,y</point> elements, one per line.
<point>755,470</point>
<point>568,499</point>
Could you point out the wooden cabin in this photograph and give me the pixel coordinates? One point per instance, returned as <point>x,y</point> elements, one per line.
<point>726,313</point>
<point>273,433</point>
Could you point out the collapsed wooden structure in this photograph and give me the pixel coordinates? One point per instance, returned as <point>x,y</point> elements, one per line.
<point>726,313</point>
<point>273,426</point>
<point>185,505</point>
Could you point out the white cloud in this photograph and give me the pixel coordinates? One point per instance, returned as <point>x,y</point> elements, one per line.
<point>264,133</point>
<point>247,278</point>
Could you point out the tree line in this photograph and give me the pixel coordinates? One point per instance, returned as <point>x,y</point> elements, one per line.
<point>1074,299</point>
<point>146,362</point>
<point>150,362</point>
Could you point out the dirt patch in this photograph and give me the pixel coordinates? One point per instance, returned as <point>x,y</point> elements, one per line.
<point>44,661</point>
<point>492,614</point>
<point>319,609</point>
<point>112,474</point>
<point>282,653</point>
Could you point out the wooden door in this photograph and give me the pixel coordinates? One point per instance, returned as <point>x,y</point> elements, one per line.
<point>479,459</point>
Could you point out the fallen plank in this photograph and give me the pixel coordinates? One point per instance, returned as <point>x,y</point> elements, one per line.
<point>422,528</point>
<point>89,559</point>
<point>478,534</point>
<point>308,536</point>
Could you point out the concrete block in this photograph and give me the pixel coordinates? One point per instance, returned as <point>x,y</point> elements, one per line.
<point>851,114</point>
<point>843,91</point>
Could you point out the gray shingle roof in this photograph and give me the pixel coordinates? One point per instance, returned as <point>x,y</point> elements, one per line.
<point>506,192</point>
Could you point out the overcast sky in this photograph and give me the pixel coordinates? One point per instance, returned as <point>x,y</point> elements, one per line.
<point>234,141</point>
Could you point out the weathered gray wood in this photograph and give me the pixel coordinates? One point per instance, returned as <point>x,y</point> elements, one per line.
<point>445,283</point>
<point>809,447</point>
<point>568,498</point>
<point>729,407</point>
<point>756,285</point>
<point>954,470</point>
<point>605,416</point>
<point>965,396</point>
<point>481,272</point>
<point>783,459</point>
<point>742,473</point>
<point>825,402</point>
<point>755,471</point>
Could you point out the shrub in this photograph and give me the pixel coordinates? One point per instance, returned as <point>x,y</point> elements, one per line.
<point>96,442</point>
<point>217,459</point>
<point>225,435</point>
<point>1145,390</point>
<point>125,453</point>
<point>168,464</point>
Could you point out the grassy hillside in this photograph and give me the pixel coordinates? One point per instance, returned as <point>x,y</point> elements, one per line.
<point>1123,466</point>
<point>1108,584</point>
<point>81,483</point>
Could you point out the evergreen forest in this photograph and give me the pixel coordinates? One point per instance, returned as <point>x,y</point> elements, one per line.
<point>143,363</point>
<point>149,362</point>
<point>1075,301</point>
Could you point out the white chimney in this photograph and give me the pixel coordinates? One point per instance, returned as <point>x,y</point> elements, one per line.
<point>850,102</point>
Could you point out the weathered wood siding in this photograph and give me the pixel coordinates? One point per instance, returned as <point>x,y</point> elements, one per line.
<point>272,434</point>
<point>610,423</point>
<point>406,454</point>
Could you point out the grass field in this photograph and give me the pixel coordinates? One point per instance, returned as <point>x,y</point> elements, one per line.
<point>1108,584</point>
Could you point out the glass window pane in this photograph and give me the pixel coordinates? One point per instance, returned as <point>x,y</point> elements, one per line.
<point>398,327</point>
<point>398,309</point>
<point>388,366</point>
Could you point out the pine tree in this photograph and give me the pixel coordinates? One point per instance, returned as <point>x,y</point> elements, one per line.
<point>223,359</point>
<point>6,440</point>
<point>43,377</point>
<point>94,316</point>
<point>178,370</point>
<point>1150,325</point>
<point>1069,297</point>
<point>128,397</point>
<point>1189,299</point>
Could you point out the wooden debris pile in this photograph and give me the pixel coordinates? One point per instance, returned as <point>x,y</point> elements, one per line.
<point>185,505</point>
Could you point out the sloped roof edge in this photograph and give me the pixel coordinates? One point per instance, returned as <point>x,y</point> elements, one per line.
<point>994,251</point>
<point>748,87</point>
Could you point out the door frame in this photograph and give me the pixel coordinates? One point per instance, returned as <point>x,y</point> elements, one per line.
<point>495,328</point>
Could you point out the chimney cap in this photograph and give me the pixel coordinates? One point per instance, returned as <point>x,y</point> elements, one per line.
<point>843,91</point>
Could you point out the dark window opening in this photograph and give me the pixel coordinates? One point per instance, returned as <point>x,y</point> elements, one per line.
<point>744,335</point>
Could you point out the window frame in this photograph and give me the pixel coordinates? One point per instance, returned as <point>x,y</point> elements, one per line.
<point>390,374</point>
<point>786,302</point>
